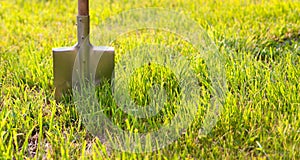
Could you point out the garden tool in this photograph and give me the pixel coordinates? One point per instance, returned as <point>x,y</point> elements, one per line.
<point>64,58</point>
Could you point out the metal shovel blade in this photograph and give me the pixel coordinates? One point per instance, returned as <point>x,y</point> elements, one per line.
<point>63,64</point>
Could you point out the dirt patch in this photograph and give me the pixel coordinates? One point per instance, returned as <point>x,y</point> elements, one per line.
<point>287,38</point>
<point>32,145</point>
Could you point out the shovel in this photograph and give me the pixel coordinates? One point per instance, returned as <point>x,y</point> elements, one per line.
<point>64,58</point>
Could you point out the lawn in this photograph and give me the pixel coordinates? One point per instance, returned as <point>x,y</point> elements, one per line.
<point>260,44</point>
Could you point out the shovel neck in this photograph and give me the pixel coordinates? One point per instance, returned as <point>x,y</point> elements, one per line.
<point>83,28</point>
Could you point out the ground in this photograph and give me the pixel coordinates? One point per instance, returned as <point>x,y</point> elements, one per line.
<point>258,39</point>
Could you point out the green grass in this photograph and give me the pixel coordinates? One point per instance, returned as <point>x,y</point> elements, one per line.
<point>258,39</point>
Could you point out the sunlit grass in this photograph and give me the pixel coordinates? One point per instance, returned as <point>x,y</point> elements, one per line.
<point>260,43</point>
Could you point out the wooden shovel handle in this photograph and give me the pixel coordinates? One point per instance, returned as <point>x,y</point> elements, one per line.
<point>83,7</point>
